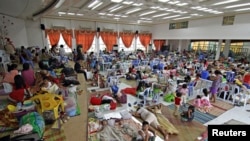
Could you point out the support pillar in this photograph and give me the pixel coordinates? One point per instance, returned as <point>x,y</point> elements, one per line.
<point>179,45</point>
<point>217,56</point>
<point>226,48</point>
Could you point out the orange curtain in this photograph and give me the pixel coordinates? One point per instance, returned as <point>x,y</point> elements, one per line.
<point>54,36</point>
<point>127,38</point>
<point>67,37</point>
<point>145,39</point>
<point>85,38</point>
<point>158,44</point>
<point>109,39</point>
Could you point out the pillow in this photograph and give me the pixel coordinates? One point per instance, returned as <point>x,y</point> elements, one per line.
<point>125,114</point>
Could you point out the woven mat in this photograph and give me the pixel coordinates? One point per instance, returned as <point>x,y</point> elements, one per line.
<point>219,107</point>
<point>188,131</point>
<point>54,135</point>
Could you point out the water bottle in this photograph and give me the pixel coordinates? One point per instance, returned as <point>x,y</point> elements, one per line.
<point>19,106</point>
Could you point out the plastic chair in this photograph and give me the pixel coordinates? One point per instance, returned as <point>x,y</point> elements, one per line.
<point>224,89</point>
<point>242,97</point>
<point>27,61</point>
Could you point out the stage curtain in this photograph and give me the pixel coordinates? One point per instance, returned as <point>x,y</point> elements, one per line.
<point>109,39</point>
<point>158,44</point>
<point>84,38</point>
<point>145,39</point>
<point>127,38</point>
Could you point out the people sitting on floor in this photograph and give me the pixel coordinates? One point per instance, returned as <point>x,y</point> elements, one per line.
<point>20,90</point>
<point>28,74</point>
<point>12,72</point>
<point>189,114</point>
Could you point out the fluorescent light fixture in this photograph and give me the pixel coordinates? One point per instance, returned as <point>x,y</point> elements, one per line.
<point>218,12</point>
<point>155,16</point>
<point>195,14</point>
<point>61,13</point>
<point>113,7</point>
<point>170,10</point>
<point>71,13</point>
<point>146,19</point>
<point>59,4</point>
<point>182,18</point>
<point>93,3</point>
<point>124,16</point>
<point>243,9</point>
<point>237,5</point>
<point>137,4</point>
<point>163,0</point>
<point>127,2</point>
<point>99,4</point>
<point>225,2</point>
<point>116,18</point>
<point>208,10</point>
<point>133,10</point>
<point>155,7</point>
<point>147,13</point>
<point>116,9</point>
<point>78,14</point>
<point>117,15</point>
<point>116,1</point>
<point>163,9</point>
<point>110,14</point>
<point>197,7</point>
<point>181,4</point>
<point>171,17</point>
<point>202,9</point>
<point>173,2</point>
<point>102,13</point>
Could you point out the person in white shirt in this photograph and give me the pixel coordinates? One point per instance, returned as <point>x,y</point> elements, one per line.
<point>61,50</point>
<point>145,134</point>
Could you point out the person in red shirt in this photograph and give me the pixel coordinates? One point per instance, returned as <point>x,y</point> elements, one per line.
<point>246,80</point>
<point>177,103</point>
<point>20,90</point>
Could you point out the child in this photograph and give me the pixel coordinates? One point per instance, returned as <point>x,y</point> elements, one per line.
<point>197,103</point>
<point>205,101</point>
<point>184,92</point>
<point>177,102</point>
<point>189,114</point>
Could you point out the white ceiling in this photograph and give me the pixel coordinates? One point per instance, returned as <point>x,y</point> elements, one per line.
<point>172,10</point>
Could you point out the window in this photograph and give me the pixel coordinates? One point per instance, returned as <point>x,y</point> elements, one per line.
<point>179,25</point>
<point>139,45</point>
<point>121,46</point>
<point>101,44</point>
<point>61,42</point>
<point>93,46</point>
<point>228,20</point>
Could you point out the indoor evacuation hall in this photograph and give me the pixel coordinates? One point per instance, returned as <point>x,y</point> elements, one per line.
<point>124,70</point>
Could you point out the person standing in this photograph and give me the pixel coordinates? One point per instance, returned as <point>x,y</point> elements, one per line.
<point>217,79</point>
<point>177,103</point>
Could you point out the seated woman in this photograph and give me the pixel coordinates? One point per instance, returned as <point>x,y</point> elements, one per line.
<point>20,91</point>
<point>12,72</point>
<point>28,74</point>
<point>163,121</point>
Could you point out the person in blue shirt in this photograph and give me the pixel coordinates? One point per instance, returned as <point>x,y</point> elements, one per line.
<point>204,74</point>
